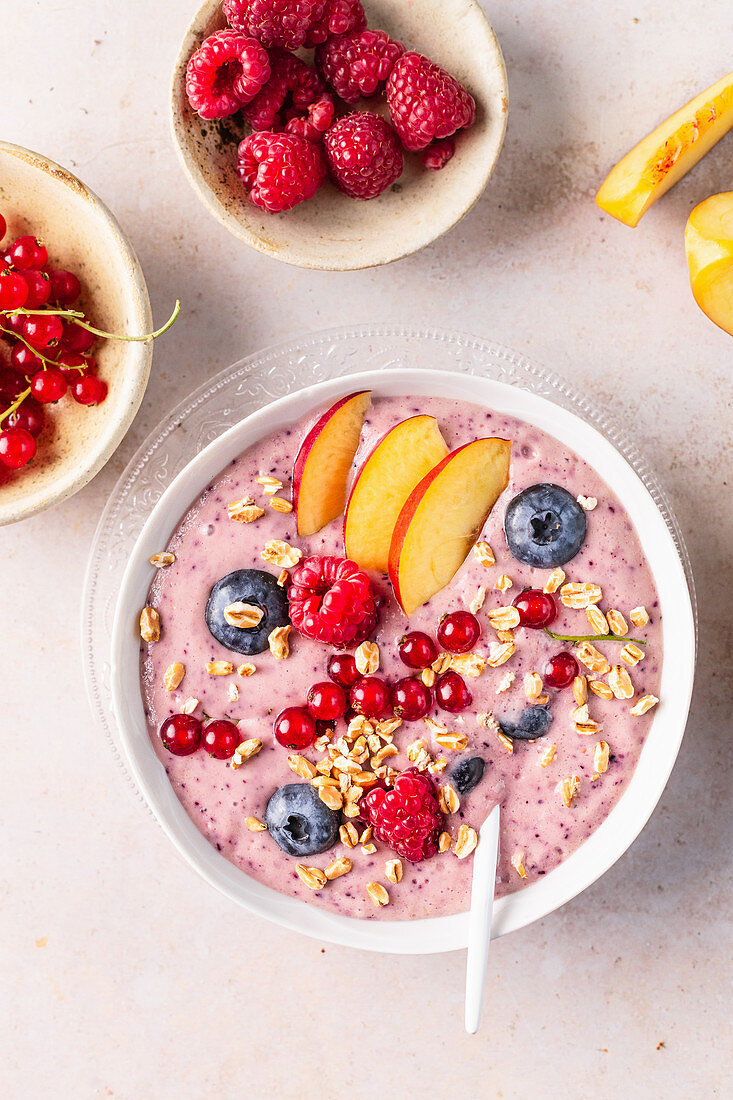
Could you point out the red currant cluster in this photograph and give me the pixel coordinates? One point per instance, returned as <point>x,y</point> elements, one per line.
<point>184,734</point>
<point>537,610</point>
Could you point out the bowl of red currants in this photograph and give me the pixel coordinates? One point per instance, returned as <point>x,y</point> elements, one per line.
<point>75,339</point>
<point>339,134</point>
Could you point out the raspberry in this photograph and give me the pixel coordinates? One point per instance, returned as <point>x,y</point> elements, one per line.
<point>437,155</point>
<point>280,170</point>
<point>407,817</point>
<point>426,103</point>
<point>332,599</point>
<point>314,124</point>
<point>291,82</point>
<point>339,17</point>
<point>282,23</point>
<point>363,154</point>
<point>226,71</point>
<point>356,64</point>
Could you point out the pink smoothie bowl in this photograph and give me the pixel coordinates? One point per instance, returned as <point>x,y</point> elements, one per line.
<point>617,831</point>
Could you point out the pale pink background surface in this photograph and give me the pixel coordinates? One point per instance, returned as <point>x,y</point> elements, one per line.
<point>123,973</point>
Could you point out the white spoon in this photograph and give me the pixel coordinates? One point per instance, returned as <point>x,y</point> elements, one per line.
<point>479,918</point>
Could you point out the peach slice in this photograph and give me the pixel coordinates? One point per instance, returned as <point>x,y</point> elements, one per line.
<point>323,462</point>
<point>709,248</point>
<point>443,517</point>
<point>399,461</point>
<point>665,155</point>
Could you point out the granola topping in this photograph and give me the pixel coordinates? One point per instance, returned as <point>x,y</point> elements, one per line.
<point>639,616</point>
<point>281,553</point>
<point>641,706</point>
<point>162,559</point>
<point>149,625</point>
<point>269,485</point>
<point>245,510</point>
<point>580,596</point>
<point>466,841</point>
<point>243,615</point>
<point>173,675</point>
<point>278,641</point>
<point>484,554</point>
<point>554,580</point>
<point>366,657</point>
<point>378,893</point>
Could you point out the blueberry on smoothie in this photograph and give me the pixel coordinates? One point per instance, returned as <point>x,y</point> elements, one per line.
<point>255,589</point>
<point>467,774</point>
<point>532,722</point>
<point>299,822</point>
<point>544,526</point>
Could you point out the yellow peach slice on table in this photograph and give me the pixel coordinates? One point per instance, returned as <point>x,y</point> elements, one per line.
<point>397,464</point>
<point>323,463</point>
<point>665,155</point>
<point>709,248</point>
<point>443,517</point>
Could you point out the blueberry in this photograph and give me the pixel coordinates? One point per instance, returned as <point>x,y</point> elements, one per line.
<point>532,722</point>
<point>468,774</point>
<point>544,526</point>
<point>253,586</point>
<point>299,822</point>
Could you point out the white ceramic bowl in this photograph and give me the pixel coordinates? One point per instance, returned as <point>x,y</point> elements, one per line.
<point>39,196</point>
<point>332,231</point>
<point>612,837</point>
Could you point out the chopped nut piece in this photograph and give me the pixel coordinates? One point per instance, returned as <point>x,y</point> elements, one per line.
<point>365,779</point>
<point>313,877</point>
<point>466,841</point>
<point>332,797</point>
<point>503,583</point>
<point>149,625</point>
<point>366,836</point>
<point>377,893</point>
<point>617,623</point>
<point>438,765</point>
<point>393,870</point>
<point>270,485</point>
<point>505,635</point>
<point>641,706</point>
<point>243,615</point>
<point>469,664</point>
<point>600,757</point>
<point>542,699</point>
<point>339,867</point>
<point>189,706</point>
<point>478,600</point>
<point>500,652</point>
<point>587,503</point>
<point>448,799</point>
<point>587,728</point>
<point>580,690</point>
<point>219,668</point>
<point>232,693</point>
<point>454,742</point>
<point>366,658</point>
<point>281,553</point>
<point>441,663</point>
<point>532,685</point>
<point>306,769</point>
<point>351,810</point>
<point>548,756</point>
<point>483,553</point>
<point>369,849</point>
<point>487,721</point>
<point>163,559</point>
<point>255,825</point>
<point>379,757</point>
<point>173,675</point>
<point>323,781</point>
<point>554,580</point>
<point>503,618</point>
<point>444,842</point>
<point>568,789</point>
<point>280,504</point>
<point>245,510</point>
<point>597,620</point>
<point>414,749</point>
<point>639,616</point>
<point>579,596</point>
<point>248,748</point>
<point>435,726</point>
<point>506,681</point>
<point>348,835</point>
<point>282,580</point>
<point>632,654</point>
<point>620,682</point>
<point>601,689</point>
<point>428,677</point>
<point>518,864</point>
<point>385,727</point>
<point>278,641</point>
<point>592,658</point>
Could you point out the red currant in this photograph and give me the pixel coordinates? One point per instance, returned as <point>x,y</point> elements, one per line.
<point>39,289</point>
<point>341,668</point>
<point>371,697</point>
<point>76,338</point>
<point>28,253</point>
<point>451,692</point>
<point>13,291</point>
<point>25,360</point>
<point>65,287</point>
<point>15,321</point>
<point>459,632</point>
<point>29,416</point>
<point>417,650</point>
<point>48,385</point>
<point>327,701</point>
<point>295,728</point>
<point>89,390</point>
<point>3,227</point>
<point>75,366</point>
<point>181,734</point>
<point>12,384</point>
<point>536,608</point>
<point>17,448</point>
<point>560,671</point>
<point>221,738</point>
<point>411,699</point>
<point>43,331</point>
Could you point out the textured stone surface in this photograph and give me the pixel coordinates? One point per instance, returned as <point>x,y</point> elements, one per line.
<point>130,977</point>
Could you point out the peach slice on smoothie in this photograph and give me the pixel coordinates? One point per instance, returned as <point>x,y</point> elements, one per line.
<point>397,464</point>
<point>443,517</point>
<point>323,462</point>
<point>709,248</point>
<point>664,156</point>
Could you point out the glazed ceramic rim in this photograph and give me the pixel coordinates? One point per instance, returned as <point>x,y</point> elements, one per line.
<point>598,853</point>
<point>137,363</point>
<point>198,179</point>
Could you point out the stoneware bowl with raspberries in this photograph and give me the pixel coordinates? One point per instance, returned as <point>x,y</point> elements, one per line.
<point>339,134</point>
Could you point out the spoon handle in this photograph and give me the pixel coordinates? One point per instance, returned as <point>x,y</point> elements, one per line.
<point>479,919</point>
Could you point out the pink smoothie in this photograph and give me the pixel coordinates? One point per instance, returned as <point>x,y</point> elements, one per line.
<point>535,820</point>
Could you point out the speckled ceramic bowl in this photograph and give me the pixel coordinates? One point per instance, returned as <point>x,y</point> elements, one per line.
<point>38,196</point>
<point>332,231</point>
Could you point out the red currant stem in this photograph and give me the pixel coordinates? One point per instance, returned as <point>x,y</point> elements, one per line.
<point>592,638</point>
<point>16,404</point>
<point>78,318</point>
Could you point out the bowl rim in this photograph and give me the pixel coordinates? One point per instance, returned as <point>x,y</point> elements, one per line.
<point>140,353</point>
<point>198,181</point>
<point>605,845</point>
